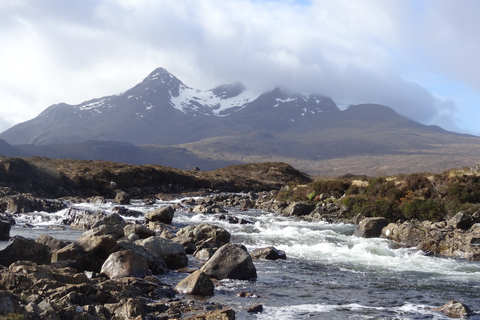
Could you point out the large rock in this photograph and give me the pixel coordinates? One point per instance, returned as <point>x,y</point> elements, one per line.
<point>408,233</point>
<point>198,283</point>
<point>139,229</point>
<point>225,314</point>
<point>101,246</point>
<point>155,262</point>
<point>122,198</point>
<point>114,223</point>
<point>27,203</point>
<point>172,252</point>
<point>455,309</point>
<point>460,221</point>
<point>4,230</point>
<point>25,249</point>
<point>125,264</point>
<point>205,231</point>
<point>231,261</point>
<point>371,227</point>
<point>268,253</point>
<point>162,214</point>
<point>79,219</point>
<point>298,209</point>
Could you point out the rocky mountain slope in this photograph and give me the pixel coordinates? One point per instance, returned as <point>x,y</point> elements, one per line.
<point>163,121</point>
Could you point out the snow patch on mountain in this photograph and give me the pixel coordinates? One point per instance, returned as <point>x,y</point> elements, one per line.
<point>193,100</point>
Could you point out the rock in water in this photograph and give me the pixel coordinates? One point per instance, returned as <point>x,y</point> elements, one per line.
<point>122,198</point>
<point>125,264</point>
<point>25,249</point>
<point>269,253</point>
<point>371,227</point>
<point>4,230</point>
<point>172,252</point>
<point>163,215</point>
<point>455,309</point>
<point>198,283</point>
<point>231,261</point>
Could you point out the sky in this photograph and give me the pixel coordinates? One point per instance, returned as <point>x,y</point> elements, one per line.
<point>419,57</point>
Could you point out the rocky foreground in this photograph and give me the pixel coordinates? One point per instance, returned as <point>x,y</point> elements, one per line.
<point>110,271</point>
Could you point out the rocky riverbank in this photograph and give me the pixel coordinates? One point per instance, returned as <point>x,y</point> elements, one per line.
<point>110,271</point>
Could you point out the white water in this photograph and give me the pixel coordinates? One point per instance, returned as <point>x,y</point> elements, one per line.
<point>328,274</point>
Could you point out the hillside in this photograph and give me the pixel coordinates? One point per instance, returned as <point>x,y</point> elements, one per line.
<point>163,121</point>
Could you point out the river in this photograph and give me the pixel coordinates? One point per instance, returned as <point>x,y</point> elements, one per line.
<point>328,274</point>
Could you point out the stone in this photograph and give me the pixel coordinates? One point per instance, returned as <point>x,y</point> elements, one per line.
<point>268,253</point>
<point>52,243</point>
<point>407,233</point>
<point>231,261</point>
<point>122,198</point>
<point>197,283</point>
<point>156,263</point>
<point>139,229</point>
<point>255,309</point>
<point>455,309</point>
<point>204,231</point>
<point>460,221</point>
<point>114,223</point>
<point>371,227</point>
<point>25,249</point>
<point>162,214</point>
<point>125,264</point>
<point>172,252</point>
<point>4,230</point>
<point>298,209</point>
<point>101,246</point>
<point>225,314</point>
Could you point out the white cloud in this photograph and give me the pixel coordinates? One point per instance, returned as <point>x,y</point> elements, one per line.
<point>356,50</point>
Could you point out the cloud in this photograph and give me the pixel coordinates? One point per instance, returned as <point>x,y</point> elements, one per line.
<point>355,51</point>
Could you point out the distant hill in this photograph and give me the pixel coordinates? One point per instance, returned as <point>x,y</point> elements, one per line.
<point>163,121</point>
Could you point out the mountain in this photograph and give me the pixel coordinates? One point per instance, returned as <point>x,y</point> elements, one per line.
<point>163,121</point>
<point>162,110</point>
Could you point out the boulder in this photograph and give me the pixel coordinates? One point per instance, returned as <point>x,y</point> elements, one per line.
<point>231,261</point>
<point>298,209</point>
<point>205,231</point>
<point>197,283</point>
<point>22,203</point>
<point>122,198</point>
<point>25,249</point>
<point>79,219</point>
<point>101,246</point>
<point>4,230</point>
<point>114,222</point>
<point>371,227</point>
<point>155,262</point>
<point>125,264</point>
<point>455,309</point>
<point>460,221</point>
<point>51,242</point>
<point>268,253</point>
<point>172,252</point>
<point>139,229</point>
<point>162,214</point>
<point>74,253</point>
<point>409,233</point>
<point>225,314</point>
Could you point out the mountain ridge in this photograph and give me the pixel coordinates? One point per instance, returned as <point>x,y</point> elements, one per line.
<point>163,121</point>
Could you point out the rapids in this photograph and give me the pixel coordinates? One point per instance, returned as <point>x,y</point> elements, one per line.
<point>328,274</point>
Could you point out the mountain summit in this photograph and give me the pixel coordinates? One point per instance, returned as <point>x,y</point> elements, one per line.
<point>161,120</point>
<point>163,110</point>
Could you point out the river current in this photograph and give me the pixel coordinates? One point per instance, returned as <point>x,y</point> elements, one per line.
<point>328,274</point>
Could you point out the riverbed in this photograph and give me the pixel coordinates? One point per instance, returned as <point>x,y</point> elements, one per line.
<point>328,274</point>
